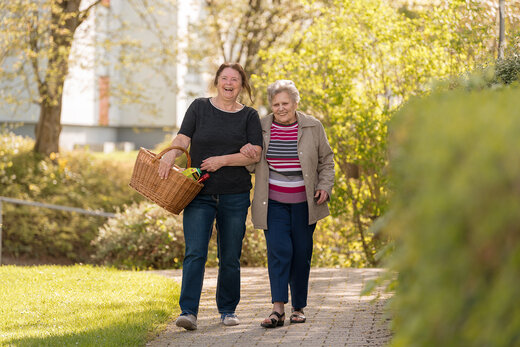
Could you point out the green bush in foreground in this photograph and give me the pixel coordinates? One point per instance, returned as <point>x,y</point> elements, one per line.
<point>82,306</point>
<point>74,179</point>
<point>455,219</point>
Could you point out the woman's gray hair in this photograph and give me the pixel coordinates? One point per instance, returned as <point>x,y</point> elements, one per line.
<point>283,86</point>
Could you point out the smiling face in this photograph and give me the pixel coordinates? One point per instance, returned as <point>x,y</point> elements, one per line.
<point>284,108</point>
<point>229,84</point>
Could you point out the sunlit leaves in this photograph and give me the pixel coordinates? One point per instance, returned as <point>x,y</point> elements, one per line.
<point>354,66</point>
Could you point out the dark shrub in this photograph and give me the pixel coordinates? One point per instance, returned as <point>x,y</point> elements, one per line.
<point>507,70</point>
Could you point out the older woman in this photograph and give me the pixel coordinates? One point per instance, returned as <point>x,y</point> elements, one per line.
<point>293,182</point>
<point>216,128</point>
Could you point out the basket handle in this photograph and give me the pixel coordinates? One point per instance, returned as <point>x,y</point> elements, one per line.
<point>188,162</point>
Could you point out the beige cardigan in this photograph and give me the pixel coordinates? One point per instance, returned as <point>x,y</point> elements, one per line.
<point>316,160</point>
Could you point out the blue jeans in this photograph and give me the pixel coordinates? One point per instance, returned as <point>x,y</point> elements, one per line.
<point>230,212</point>
<point>289,251</point>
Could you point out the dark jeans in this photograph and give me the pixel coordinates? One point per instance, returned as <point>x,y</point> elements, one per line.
<point>289,251</point>
<point>229,211</point>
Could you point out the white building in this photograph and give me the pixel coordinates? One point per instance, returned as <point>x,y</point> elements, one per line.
<point>91,112</point>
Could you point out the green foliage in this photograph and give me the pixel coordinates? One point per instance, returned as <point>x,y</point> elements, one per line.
<point>146,236</point>
<point>143,236</point>
<point>70,179</point>
<point>82,306</point>
<point>454,216</point>
<point>337,245</point>
<point>500,73</point>
<point>507,70</point>
<point>356,63</point>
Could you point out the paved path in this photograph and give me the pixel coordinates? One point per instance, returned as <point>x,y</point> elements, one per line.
<point>336,314</point>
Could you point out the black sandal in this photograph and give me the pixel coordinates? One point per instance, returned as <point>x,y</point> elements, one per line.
<point>297,316</point>
<point>275,322</point>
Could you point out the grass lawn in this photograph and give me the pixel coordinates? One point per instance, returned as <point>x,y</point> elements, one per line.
<point>82,306</point>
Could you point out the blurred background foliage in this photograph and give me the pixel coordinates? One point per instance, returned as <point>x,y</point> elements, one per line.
<point>76,179</point>
<point>454,217</point>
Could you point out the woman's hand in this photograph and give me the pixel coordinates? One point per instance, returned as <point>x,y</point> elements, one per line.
<point>212,164</point>
<point>166,163</point>
<point>249,150</point>
<point>168,159</point>
<point>320,196</point>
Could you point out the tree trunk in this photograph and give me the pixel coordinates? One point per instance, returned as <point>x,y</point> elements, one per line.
<point>501,35</point>
<point>65,18</point>
<point>48,129</point>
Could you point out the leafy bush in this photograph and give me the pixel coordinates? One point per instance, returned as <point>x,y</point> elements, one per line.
<point>455,219</point>
<point>143,236</point>
<point>70,179</point>
<point>146,236</point>
<point>507,70</point>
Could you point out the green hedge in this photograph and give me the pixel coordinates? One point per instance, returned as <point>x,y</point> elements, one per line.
<point>455,218</point>
<point>75,179</point>
<point>146,236</point>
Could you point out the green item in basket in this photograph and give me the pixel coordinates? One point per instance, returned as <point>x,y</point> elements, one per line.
<point>192,172</point>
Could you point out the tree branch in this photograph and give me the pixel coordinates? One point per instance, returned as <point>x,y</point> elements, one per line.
<point>218,29</point>
<point>33,46</point>
<point>85,13</point>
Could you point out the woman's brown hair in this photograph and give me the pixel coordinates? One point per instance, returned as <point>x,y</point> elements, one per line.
<point>240,69</point>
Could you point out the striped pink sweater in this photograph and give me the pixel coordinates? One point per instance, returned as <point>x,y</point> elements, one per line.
<point>285,173</point>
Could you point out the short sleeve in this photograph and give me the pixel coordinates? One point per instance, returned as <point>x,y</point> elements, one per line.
<point>189,121</point>
<point>254,130</point>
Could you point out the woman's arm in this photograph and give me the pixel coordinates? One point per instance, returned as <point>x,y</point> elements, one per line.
<point>168,159</point>
<point>325,168</point>
<point>250,151</point>
<point>212,164</point>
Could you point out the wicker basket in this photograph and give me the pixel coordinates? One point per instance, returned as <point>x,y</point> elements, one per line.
<point>174,193</point>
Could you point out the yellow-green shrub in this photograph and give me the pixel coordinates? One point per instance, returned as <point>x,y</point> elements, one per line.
<point>455,217</point>
<point>73,179</point>
<point>337,244</point>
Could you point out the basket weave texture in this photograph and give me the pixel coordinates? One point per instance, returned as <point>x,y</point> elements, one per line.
<point>174,193</point>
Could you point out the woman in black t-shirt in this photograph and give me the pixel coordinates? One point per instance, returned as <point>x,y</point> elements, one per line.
<point>216,128</point>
